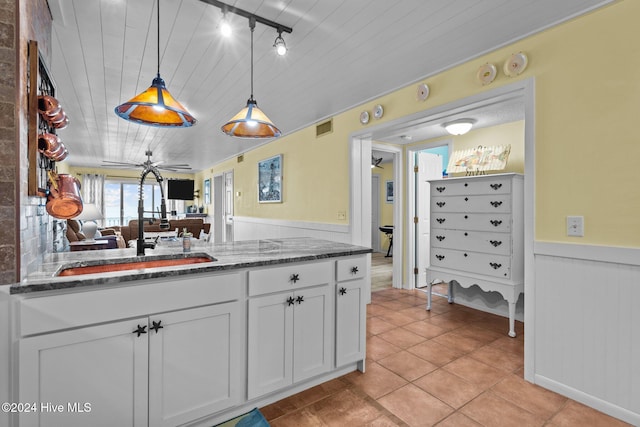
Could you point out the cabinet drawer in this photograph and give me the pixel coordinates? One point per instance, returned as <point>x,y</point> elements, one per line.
<point>351,268</point>
<point>499,185</point>
<point>473,262</point>
<point>476,241</point>
<point>500,203</point>
<point>500,223</point>
<point>289,277</point>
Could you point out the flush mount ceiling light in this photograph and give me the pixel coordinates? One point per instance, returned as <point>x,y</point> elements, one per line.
<point>155,106</point>
<point>279,44</point>
<point>459,127</point>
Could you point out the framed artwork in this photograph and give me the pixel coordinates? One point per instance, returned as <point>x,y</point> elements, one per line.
<point>207,191</point>
<point>270,180</point>
<point>389,191</point>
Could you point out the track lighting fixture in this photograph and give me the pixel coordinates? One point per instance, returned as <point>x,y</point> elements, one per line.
<point>225,27</point>
<point>279,44</point>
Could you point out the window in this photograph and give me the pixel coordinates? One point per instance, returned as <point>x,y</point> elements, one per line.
<point>121,201</point>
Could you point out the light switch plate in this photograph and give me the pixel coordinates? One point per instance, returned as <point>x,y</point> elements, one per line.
<point>575,226</point>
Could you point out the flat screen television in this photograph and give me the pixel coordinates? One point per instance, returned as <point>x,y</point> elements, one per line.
<point>180,189</point>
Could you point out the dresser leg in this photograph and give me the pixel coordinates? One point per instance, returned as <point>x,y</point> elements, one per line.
<point>512,314</point>
<point>450,291</point>
<point>428,296</point>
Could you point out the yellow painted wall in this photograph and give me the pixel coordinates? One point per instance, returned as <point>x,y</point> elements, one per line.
<point>587,101</point>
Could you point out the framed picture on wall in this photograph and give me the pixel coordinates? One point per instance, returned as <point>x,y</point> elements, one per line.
<point>207,191</point>
<point>389,191</point>
<point>270,180</point>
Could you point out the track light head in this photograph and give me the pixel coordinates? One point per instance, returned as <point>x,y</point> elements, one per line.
<point>279,44</point>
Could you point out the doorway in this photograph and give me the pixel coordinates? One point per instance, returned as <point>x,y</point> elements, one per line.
<point>523,92</point>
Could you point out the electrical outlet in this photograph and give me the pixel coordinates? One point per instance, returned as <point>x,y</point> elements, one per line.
<point>575,226</point>
<point>342,215</point>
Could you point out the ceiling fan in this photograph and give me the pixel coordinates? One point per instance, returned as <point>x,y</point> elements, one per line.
<point>148,164</point>
<point>375,162</point>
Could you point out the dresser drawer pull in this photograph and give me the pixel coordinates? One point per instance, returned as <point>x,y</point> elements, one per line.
<point>466,199</point>
<point>441,204</point>
<point>495,186</point>
<point>466,184</point>
<point>495,265</point>
<point>441,189</point>
<point>440,220</point>
<point>354,270</point>
<point>466,234</point>
<point>495,222</point>
<point>466,217</point>
<point>496,204</point>
<point>343,291</point>
<point>466,255</point>
<point>440,238</point>
<point>440,257</point>
<point>495,243</point>
<point>294,278</point>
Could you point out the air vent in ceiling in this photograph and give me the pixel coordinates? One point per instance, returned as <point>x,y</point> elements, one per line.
<point>324,128</point>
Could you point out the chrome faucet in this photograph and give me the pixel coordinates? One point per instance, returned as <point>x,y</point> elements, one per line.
<point>164,223</point>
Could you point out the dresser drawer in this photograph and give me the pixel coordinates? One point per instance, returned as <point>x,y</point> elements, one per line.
<point>472,262</point>
<point>500,185</point>
<point>500,203</point>
<point>289,277</point>
<point>476,241</point>
<point>500,223</point>
<point>351,268</point>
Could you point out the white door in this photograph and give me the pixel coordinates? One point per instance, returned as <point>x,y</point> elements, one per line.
<point>228,206</point>
<point>375,212</point>
<point>218,209</point>
<point>429,167</point>
<point>193,363</point>
<point>350,322</point>
<point>104,366</point>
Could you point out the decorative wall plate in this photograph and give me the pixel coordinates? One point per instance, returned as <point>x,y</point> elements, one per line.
<point>364,117</point>
<point>378,111</point>
<point>516,64</point>
<point>423,92</point>
<point>486,73</point>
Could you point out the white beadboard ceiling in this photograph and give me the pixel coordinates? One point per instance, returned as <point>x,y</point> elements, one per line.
<point>341,53</point>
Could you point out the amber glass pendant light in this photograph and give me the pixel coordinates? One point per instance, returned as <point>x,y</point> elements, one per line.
<point>251,122</point>
<point>155,106</point>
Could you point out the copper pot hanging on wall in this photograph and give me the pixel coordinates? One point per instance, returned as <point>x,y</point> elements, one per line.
<point>64,200</point>
<point>52,147</point>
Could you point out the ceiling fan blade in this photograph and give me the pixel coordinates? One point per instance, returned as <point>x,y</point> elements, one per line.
<point>120,163</point>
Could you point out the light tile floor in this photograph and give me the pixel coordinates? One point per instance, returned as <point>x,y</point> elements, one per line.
<point>453,366</point>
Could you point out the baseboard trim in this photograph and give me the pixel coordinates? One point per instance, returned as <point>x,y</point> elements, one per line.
<point>589,400</point>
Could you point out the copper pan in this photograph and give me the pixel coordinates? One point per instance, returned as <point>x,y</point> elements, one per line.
<point>48,106</point>
<point>64,200</point>
<point>62,124</point>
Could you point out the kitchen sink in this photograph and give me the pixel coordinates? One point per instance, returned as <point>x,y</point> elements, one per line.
<point>124,264</point>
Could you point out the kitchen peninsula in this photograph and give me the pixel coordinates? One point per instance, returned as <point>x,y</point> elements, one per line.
<point>191,344</point>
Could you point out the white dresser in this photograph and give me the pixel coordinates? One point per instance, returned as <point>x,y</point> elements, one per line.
<point>477,236</point>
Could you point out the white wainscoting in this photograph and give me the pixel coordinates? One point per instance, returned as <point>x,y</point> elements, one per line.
<point>587,325</point>
<point>249,228</point>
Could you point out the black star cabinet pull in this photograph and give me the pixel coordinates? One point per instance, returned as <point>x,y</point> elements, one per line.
<point>294,278</point>
<point>343,291</point>
<point>141,330</point>
<point>354,270</point>
<point>156,325</point>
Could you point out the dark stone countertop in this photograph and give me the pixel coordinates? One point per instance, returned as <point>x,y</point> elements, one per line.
<point>228,256</point>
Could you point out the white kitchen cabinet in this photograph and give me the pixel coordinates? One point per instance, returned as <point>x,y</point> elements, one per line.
<point>104,366</point>
<point>194,363</point>
<point>183,364</point>
<point>351,314</point>
<point>477,235</point>
<point>289,333</point>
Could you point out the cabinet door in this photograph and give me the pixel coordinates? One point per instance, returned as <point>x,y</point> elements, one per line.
<point>104,366</point>
<point>350,322</point>
<point>312,323</point>
<point>194,362</point>
<point>270,343</point>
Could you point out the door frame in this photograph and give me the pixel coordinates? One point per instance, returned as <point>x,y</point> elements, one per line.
<point>360,194</point>
<point>375,243</point>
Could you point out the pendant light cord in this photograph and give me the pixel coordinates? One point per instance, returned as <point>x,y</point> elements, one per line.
<point>158,38</point>
<point>252,25</point>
